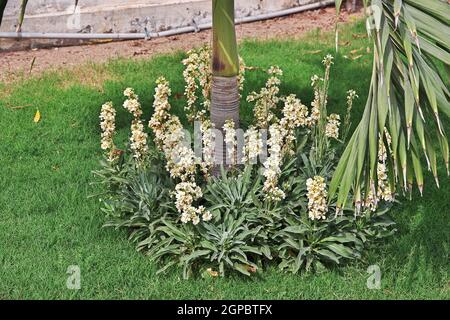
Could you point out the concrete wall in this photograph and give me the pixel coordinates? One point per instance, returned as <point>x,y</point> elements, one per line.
<point>122,16</point>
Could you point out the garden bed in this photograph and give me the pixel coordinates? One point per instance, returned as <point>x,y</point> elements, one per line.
<point>48,223</point>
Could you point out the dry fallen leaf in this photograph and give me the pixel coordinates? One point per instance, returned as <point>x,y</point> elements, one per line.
<point>359,35</point>
<point>356,50</point>
<point>314,52</point>
<point>37,117</point>
<point>357,57</point>
<point>251,269</point>
<point>212,273</point>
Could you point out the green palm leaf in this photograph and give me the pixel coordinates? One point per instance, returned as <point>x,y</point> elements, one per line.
<point>23,7</point>
<point>407,97</point>
<point>2,9</point>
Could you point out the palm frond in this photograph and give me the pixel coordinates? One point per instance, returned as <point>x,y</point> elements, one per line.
<point>406,99</point>
<point>2,9</point>
<point>23,6</point>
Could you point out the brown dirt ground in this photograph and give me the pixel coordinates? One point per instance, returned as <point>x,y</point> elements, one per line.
<point>16,65</point>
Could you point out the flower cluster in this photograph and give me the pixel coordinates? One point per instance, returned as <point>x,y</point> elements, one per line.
<point>182,163</point>
<point>197,74</point>
<point>253,145</point>
<point>267,99</point>
<point>181,160</point>
<point>328,60</point>
<point>317,195</point>
<point>281,131</point>
<point>315,104</point>
<point>186,193</point>
<point>351,96</point>
<point>132,103</point>
<point>320,86</point>
<point>208,144</point>
<point>170,135</point>
<point>138,140</point>
<point>332,127</point>
<point>383,191</point>
<point>273,163</point>
<point>230,141</point>
<point>295,114</point>
<point>108,126</point>
<point>161,106</point>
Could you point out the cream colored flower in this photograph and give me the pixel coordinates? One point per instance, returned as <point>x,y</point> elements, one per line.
<point>132,103</point>
<point>315,110</point>
<point>197,74</point>
<point>272,165</point>
<point>275,70</point>
<point>138,140</point>
<point>208,141</point>
<point>295,115</point>
<point>383,191</point>
<point>241,76</point>
<point>129,92</point>
<point>230,141</point>
<point>186,193</point>
<point>108,126</point>
<point>317,198</point>
<point>253,145</point>
<point>351,95</point>
<point>161,106</point>
<point>328,60</point>
<point>267,99</point>
<point>332,126</point>
<point>206,215</point>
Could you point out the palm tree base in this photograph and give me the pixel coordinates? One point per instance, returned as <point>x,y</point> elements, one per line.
<point>225,102</point>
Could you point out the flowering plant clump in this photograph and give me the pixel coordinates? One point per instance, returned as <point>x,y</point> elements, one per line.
<point>268,204</point>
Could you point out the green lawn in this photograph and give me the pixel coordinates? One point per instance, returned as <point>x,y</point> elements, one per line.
<point>47,222</point>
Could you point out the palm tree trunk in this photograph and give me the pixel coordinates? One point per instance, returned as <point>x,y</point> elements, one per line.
<point>350,5</point>
<point>225,65</point>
